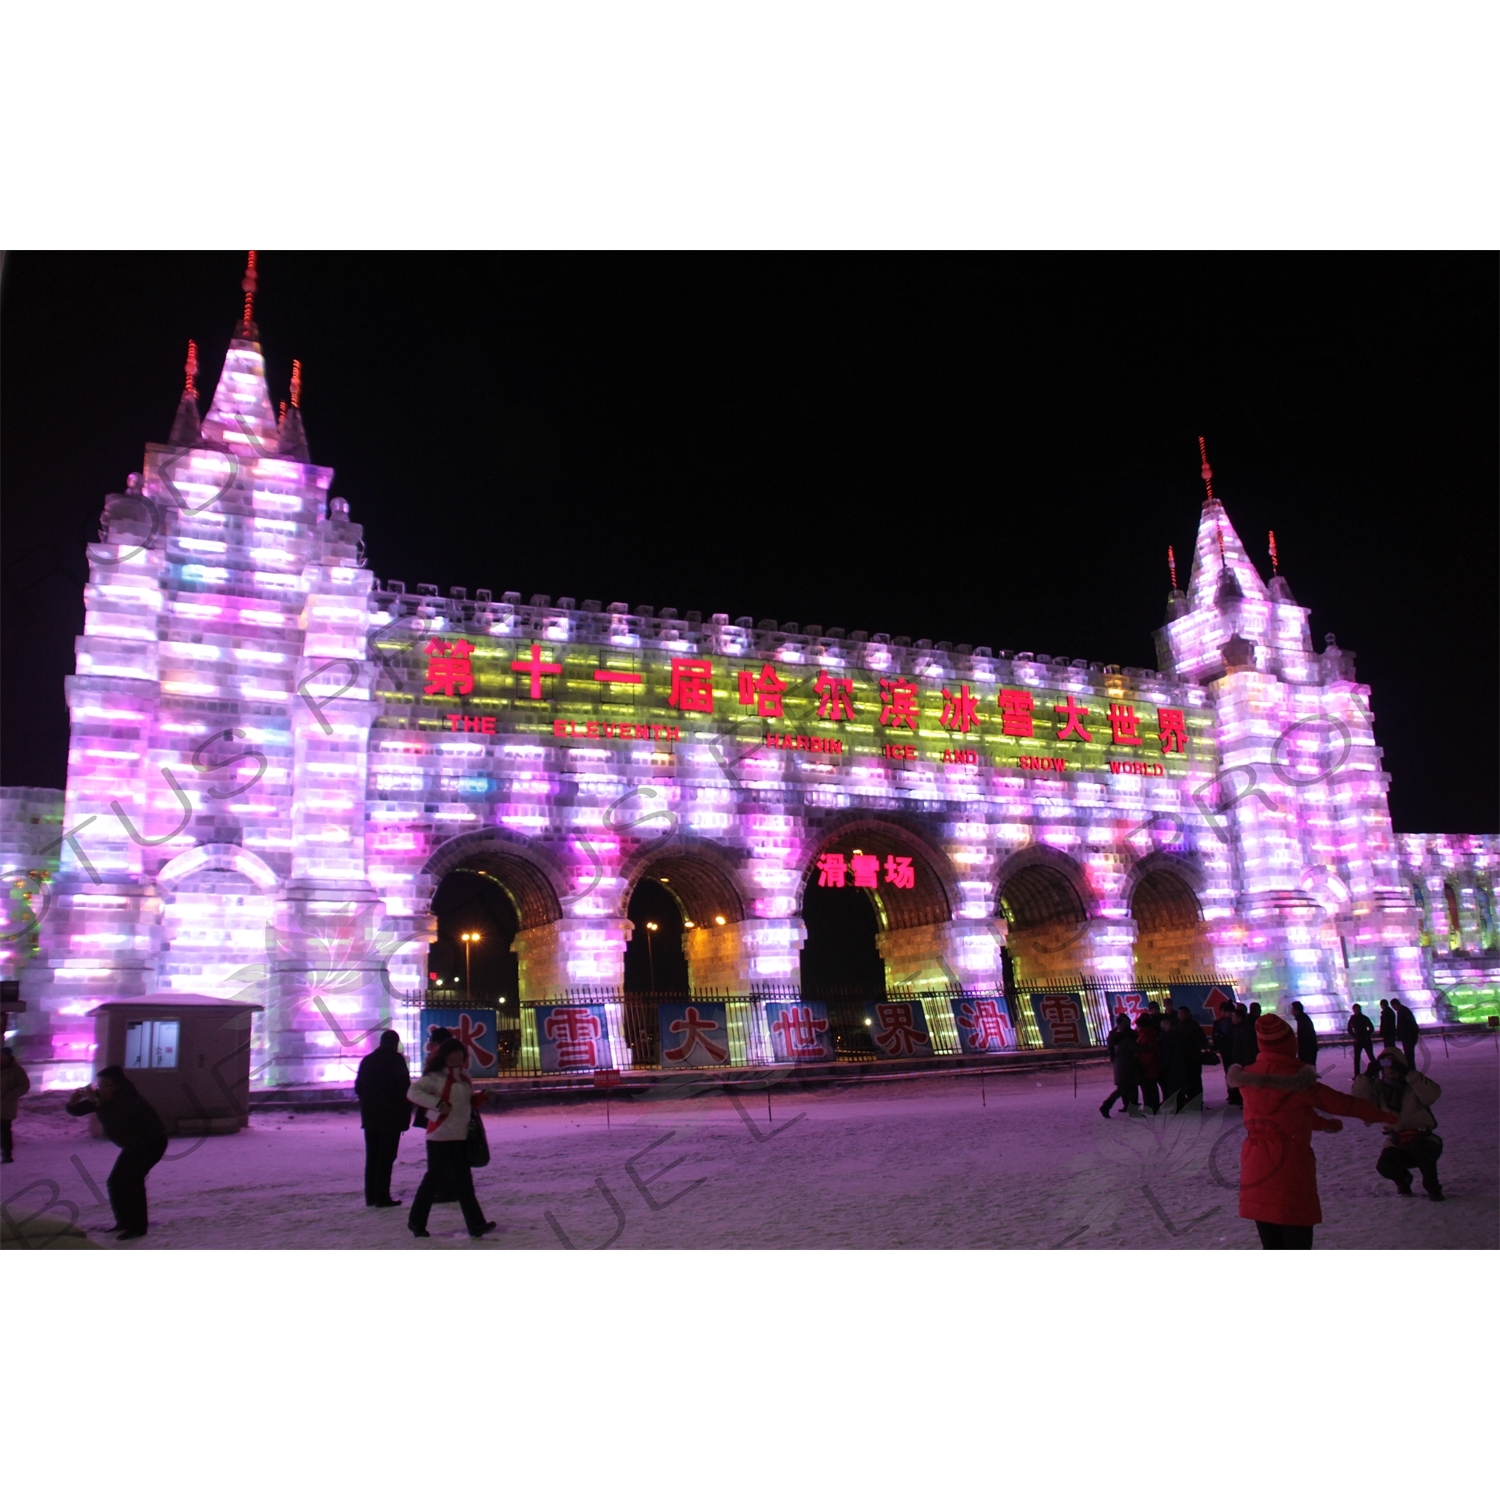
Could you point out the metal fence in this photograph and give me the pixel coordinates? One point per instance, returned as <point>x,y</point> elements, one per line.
<point>635,1018</point>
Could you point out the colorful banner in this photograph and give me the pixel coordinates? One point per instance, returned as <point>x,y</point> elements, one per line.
<point>800,1031</point>
<point>478,1030</point>
<point>985,1025</point>
<point>572,1038</point>
<point>1060,1020</point>
<point>1133,1003</point>
<point>900,1029</point>
<point>694,1035</point>
<point>1203,1000</point>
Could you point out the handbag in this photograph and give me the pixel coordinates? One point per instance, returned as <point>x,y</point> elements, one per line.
<point>477,1142</point>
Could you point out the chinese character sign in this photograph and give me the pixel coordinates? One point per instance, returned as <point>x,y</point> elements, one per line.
<point>800,1031</point>
<point>572,1037</point>
<point>478,1030</point>
<point>1060,1020</point>
<point>695,1035</point>
<point>1132,1003</point>
<point>984,1024</point>
<point>1203,1000</point>
<point>900,1029</point>
<point>836,870</point>
<point>693,687</point>
<point>449,669</point>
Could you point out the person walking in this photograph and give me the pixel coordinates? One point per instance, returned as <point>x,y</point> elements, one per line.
<point>13,1083</point>
<point>1361,1029</point>
<point>1413,1140</point>
<point>446,1092</point>
<point>1121,1043</point>
<point>1407,1032</point>
<point>1278,1171</point>
<point>1307,1034</point>
<point>1387,1026</point>
<point>1191,1046</point>
<point>1223,1036</point>
<point>380,1085</point>
<point>1148,1059</point>
<point>1243,1046</point>
<point>136,1128</point>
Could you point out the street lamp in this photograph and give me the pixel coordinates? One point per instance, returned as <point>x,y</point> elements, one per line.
<point>651,928</point>
<point>466,938</point>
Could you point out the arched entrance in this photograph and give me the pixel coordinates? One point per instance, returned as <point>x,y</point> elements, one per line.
<point>875,902</point>
<point>1171,935</point>
<point>1047,920</point>
<point>691,893</point>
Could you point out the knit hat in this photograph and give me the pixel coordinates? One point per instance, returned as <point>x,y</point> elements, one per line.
<point>1272,1034</point>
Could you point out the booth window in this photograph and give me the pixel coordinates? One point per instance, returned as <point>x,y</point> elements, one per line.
<point>151,1044</point>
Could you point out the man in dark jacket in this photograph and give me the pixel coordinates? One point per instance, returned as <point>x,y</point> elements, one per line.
<point>1122,1062</point>
<point>1307,1034</point>
<point>136,1128</point>
<point>1407,1033</point>
<point>381,1085</point>
<point>1243,1048</point>
<point>1387,1027</point>
<point>1363,1032</point>
<point>1148,1058</point>
<point>1190,1045</point>
<point>1171,1058</point>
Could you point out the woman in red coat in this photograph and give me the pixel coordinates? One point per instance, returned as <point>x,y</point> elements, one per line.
<point>1278,1171</point>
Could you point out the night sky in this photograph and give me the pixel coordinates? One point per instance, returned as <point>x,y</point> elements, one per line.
<point>993,449</point>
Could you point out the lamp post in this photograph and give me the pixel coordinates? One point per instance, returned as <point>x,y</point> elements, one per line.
<point>651,927</point>
<point>466,938</point>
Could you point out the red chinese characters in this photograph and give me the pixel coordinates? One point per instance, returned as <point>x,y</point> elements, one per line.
<point>1123,724</point>
<point>866,868</point>
<point>835,696</point>
<point>800,1032</point>
<point>832,870</point>
<point>764,691</point>
<point>987,1027</point>
<point>1072,716</point>
<point>577,1034</point>
<point>1016,708</point>
<point>960,713</point>
<point>692,687</point>
<point>696,1031</point>
<point>898,1034</point>
<point>899,872</point>
<point>448,668</point>
<point>1062,1016</point>
<point>1171,729</point>
<point>898,703</point>
<point>469,1032</point>
<point>538,669</point>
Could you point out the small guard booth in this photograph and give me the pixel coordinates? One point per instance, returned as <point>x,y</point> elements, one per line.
<point>189,1055</point>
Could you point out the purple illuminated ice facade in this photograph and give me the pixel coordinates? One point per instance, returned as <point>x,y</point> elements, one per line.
<point>264,794</point>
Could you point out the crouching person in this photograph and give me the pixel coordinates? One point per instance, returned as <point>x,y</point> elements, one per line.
<point>1412,1142</point>
<point>131,1123</point>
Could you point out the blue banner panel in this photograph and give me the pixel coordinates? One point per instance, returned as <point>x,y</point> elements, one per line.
<point>572,1038</point>
<point>800,1031</point>
<point>1132,1003</point>
<point>985,1025</point>
<point>478,1030</point>
<point>900,1029</point>
<point>1060,1020</point>
<point>1203,1000</point>
<point>695,1035</point>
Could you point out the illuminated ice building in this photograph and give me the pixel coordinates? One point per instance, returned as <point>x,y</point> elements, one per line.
<point>275,760</point>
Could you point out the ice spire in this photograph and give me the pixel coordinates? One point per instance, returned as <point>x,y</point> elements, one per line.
<point>293,434</point>
<point>187,423</point>
<point>240,417</point>
<point>1222,571</point>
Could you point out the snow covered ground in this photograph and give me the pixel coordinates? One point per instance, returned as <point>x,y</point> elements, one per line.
<point>915,1164</point>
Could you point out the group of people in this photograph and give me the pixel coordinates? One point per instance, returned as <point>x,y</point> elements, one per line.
<point>1161,1057</point>
<point>443,1098</point>
<point>1398,1028</point>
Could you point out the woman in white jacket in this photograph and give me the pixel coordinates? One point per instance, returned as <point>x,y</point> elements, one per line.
<point>444,1090</point>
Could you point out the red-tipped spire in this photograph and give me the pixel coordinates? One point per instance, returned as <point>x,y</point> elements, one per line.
<point>1208,473</point>
<point>1219,535</point>
<point>296,382</point>
<point>190,370</point>
<point>247,324</point>
<point>1172,567</point>
<point>281,416</point>
<point>1275,560</point>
